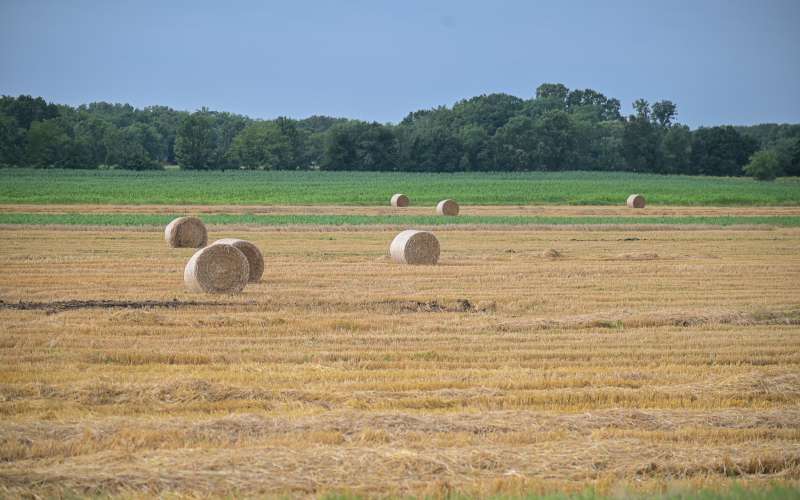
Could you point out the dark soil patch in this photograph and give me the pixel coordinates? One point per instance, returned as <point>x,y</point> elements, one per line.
<point>68,305</point>
<point>460,305</point>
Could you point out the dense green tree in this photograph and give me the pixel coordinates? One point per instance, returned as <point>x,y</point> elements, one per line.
<point>642,108</point>
<point>226,126</point>
<point>556,91</point>
<point>47,144</point>
<point>489,112</point>
<point>720,151</point>
<point>476,143</point>
<point>676,148</point>
<point>557,129</point>
<point>294,139</point>
<point>119,115</point>
<point>794,162</point>
<point>318,123</point>
<point>26,110</point>
<point>593,105</point>
<point>764,165</point>
<point>516,144</point>
<point>357,145</point>
<point>128,147</point>
<point>608,153</point>
<point>166,121</point>
<point>555,140</point>
<point>664,112</point>
<point>767,134</point>
<point>430,146</point>
<point>90,134</point>
<point>196,142</point>
<point>784,149</point>
<point>262,145</point>
<point>12,141</point>
<point>640,141</point>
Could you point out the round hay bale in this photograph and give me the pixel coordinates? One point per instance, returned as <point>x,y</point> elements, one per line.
<point>636,201</point>
<point>400,200</point>
<point>253,254</point>
<point>415,247</point>
<point>186,232</point>
<point>447,207</point>
<point>217,269</point>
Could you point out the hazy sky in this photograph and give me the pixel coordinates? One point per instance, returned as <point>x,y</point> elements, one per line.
<point>721,61</point>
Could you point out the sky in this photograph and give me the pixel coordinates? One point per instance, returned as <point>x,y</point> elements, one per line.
<point>721,62</point>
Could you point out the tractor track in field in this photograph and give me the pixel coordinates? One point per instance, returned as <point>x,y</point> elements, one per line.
<point>68,305</point>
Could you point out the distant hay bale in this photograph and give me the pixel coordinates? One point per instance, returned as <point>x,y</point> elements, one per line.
<point>552,253</point>
<point>636,201</point>
<point>415,247</point>
<point>254,257</point>
<point>447,207</point>
<point>186,232</point>
<point>218,268</point>
<point>400,200</point>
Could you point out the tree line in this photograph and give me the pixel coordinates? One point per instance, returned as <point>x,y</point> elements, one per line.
<point>556,129</point>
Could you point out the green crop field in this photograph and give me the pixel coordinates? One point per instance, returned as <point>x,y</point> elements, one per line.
<point>136,219</point>
<point>370,188</point>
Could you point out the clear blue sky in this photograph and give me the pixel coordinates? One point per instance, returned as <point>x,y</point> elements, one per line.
<point>732,62</point>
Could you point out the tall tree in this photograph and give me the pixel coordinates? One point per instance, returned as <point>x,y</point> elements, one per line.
<point>196,143</point>
<point>11,141</point>
<point>516,144</point>
<point>26,109</point>
<point>676,150</point>
<point>721,151</point>
<point>642,108</point>
<point>555,140</point>
<point>476,143</point>
<point>664,112</point>
<point>47,144</point>
<point>794,162</point>
<point>556,91</point>
<point>359,145</point>
<point>640,142</point>
<point>262,145</point>
<point>128,147</point>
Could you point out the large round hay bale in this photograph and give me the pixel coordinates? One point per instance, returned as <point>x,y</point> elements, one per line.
<point>254,258</point>
<point>186,232</point>
<point>217,269</point>
<point>636,201</point>
<point>447,207</point>
<point>415,247</point>
<point>400,200</point>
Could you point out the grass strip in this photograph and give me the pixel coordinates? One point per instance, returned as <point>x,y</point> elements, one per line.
<point>138,219</point>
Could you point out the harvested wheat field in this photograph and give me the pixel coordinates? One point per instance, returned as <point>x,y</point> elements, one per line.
<point>526,361</point>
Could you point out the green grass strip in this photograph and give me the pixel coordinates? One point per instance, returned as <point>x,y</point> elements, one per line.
<point>117,219</point>
<point>121,187</point>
